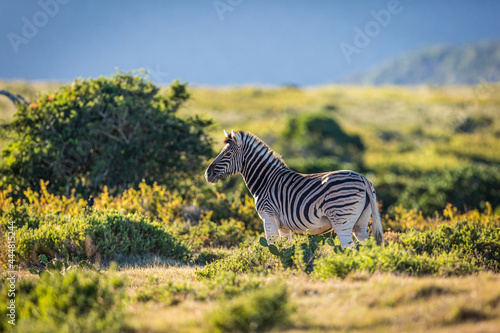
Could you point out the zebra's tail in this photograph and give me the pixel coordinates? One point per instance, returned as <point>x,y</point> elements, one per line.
<point>377,229</point>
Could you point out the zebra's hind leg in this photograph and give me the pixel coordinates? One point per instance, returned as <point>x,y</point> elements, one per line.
<point>361,225</point>
<point>344,234</point>
<point>343,225</point>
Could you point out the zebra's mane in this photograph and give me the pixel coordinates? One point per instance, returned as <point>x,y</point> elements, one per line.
<point>260,142</point>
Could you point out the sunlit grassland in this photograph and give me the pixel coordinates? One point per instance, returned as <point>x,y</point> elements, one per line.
<point>389,107</point>
<point>361,303</point>
<point>361,108</point>
<point>424,118</point>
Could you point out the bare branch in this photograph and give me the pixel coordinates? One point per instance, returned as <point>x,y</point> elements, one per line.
<point>21,98</point>
<point>14,98</point>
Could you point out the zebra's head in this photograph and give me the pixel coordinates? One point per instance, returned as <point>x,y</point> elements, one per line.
<point>229,160</point>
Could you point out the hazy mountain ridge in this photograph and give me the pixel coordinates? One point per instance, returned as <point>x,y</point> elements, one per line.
<point>469,64</point>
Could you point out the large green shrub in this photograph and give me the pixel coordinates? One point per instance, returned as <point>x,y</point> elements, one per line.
<point>112,131</point>
<point>94,235</point>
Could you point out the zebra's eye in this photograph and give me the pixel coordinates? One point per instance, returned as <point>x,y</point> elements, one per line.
<point>229,153</point>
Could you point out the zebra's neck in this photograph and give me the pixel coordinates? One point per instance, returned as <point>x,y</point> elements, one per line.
<point>260,163</point>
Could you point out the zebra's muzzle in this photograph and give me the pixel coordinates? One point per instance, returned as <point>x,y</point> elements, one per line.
<point>211,176</point>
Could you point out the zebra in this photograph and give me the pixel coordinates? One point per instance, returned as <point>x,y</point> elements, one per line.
<point>288,201</point>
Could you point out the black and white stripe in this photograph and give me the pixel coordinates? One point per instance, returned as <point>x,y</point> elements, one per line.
<point>289,201</point>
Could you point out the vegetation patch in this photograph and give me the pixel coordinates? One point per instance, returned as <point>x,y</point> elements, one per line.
<point>226,233</point>
<point>96,235</point>
<point>249,257</point>
<point>78,301</point>
<point>110,131</point>
<point>472,239</point>
<point>255,311</point>
<point>394,258</point>
<point>169,293</point>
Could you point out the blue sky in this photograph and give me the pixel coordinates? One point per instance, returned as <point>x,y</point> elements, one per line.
<point>269,42</point>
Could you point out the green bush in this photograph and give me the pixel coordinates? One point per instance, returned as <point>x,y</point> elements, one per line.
<point>223,207</point>
<point>79,301</point>
<point>94,235</point>
<point>255,311</point>
<point>306,251</point>
<point>393,258</point>
<point>471,239</point>
<point>115,234</point>
<point>249,257</point>
<point>281,249</point>
<point>471,124</point>
<point>315,135</point>
<point>111,131</point>
<point>208,233</point>
<point>467,186</point>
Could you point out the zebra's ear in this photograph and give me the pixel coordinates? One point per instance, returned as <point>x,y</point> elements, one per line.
<point>226,134</point>
<point>236,137</point>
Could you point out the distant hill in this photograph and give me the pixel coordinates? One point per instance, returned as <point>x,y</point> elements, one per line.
<point>469,64</point>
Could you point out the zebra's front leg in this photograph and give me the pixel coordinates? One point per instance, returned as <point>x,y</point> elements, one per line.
<point>271,229</point>
<point>286,233</point>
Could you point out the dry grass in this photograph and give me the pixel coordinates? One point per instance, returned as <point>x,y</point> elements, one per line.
<point>360,303</point>
<point>386,303</point>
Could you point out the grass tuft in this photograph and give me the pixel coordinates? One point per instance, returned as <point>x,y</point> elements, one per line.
<point>255,311</point>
